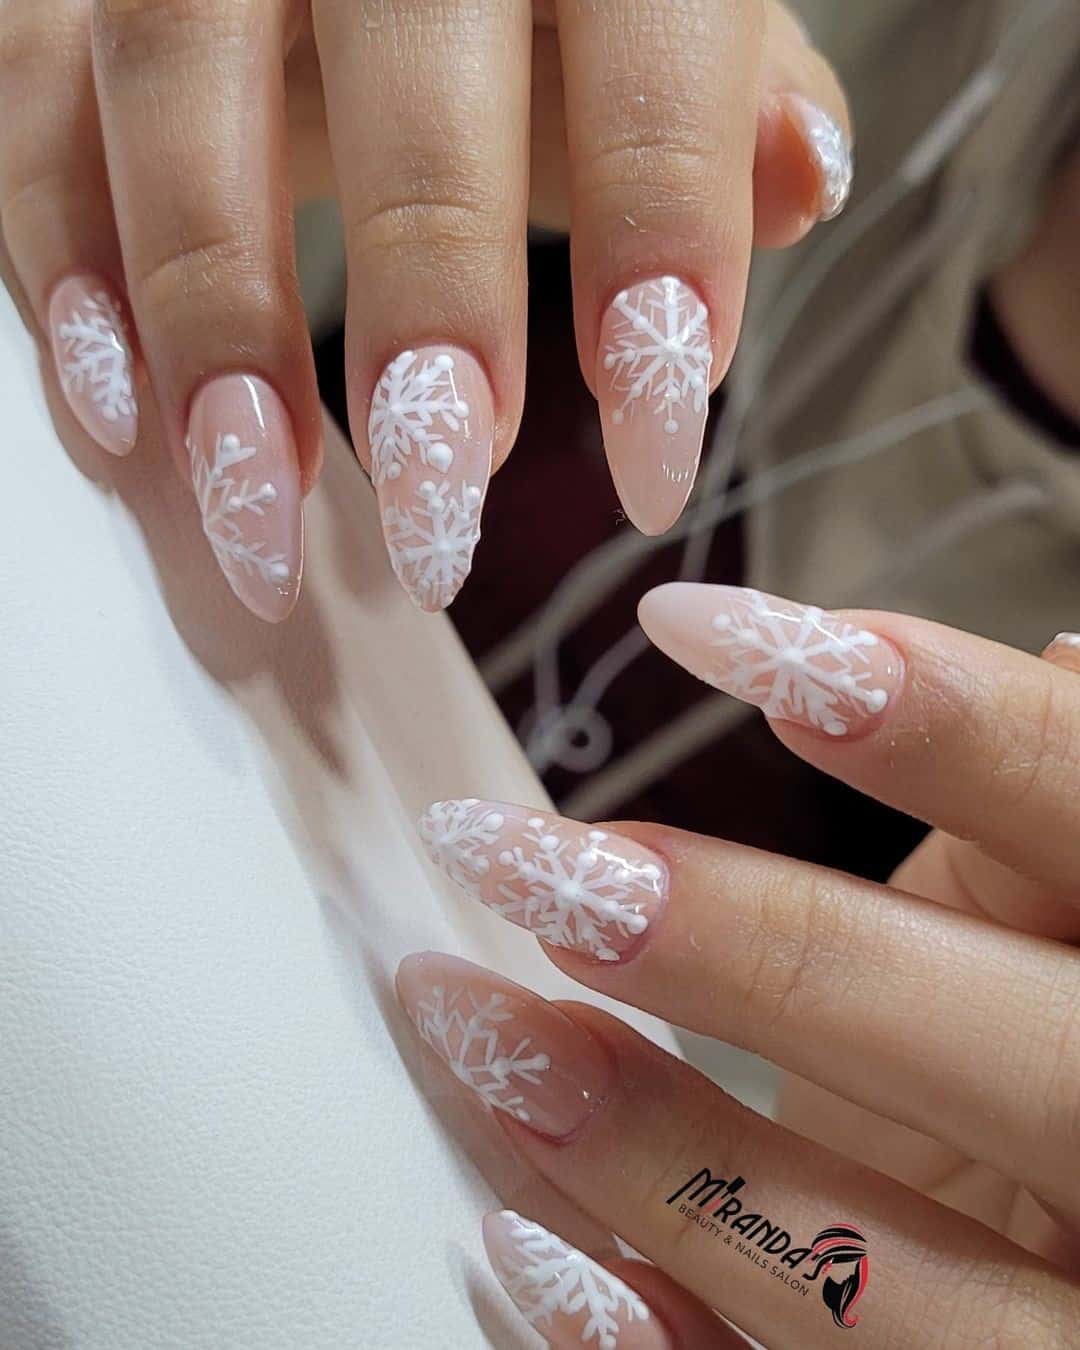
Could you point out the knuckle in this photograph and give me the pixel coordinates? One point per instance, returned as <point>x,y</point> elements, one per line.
<point>663,176</point>
<point>223,273</point>
<point>36,39</point>
<point>132,34</point>
<point>428,221</point>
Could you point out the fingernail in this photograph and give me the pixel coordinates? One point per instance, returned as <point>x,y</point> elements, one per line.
<point>1064,651</point>
<point>517,1052</point>
<point>93,360</point>
<point>653,387</point>
<point>246,477</point>
<point>831,152</point>
<point>567,1296</point>
<point>576,887</point>
<point>795,662</point>
<point>431,428</point>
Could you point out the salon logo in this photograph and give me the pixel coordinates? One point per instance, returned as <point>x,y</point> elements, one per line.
<point>837,1255</point>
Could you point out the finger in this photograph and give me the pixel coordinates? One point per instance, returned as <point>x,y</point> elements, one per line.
<point>803,165</point>
<point>572,1300</point>
<point>57,213</point>
<point>193,110</point>
<point>845,982</point>
<point>676,1168</point>
<point>661,111</point>
<point>968,735</point>
<point>429,119</point>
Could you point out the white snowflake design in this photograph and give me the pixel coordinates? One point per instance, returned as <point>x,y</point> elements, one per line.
<point>225,502</point>
<point>835,161</point>
<point>546,1276</point>
<point>659,352</point>
<point>455,832</point>
<point>796,666</point>
<point>415,406</point>
<point>96,356</point>
<point>431,543</point>
<point>465,1032</point>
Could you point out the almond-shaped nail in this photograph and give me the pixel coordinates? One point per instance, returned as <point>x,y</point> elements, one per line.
<point>246,477</point>
<point>830,151</point>
<point>568,1297</point>
<point>652,383</point>
<point>431,428</point>
<point>572,885</point>
<point>795,662</point>
<point>93,360</point>
<point>517,1052</point>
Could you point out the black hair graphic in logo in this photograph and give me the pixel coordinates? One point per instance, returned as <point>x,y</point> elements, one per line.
<point>841,1245</point>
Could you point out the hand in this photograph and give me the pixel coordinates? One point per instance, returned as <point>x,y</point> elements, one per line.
<point>930,1027</point>
<point>147,230</point>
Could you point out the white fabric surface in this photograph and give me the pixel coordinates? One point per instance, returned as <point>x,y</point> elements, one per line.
<point>212,1132</point>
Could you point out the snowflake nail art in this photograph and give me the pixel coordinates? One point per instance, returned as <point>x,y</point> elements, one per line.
<point>516,1052</point>
<point>246,483</point>
<point>573,886</point>
<point>563,1293</point>
<point>832,154</point>
<point>655,359</point>
<point>430,431</point>
<point>795,662</point>
<point>94,361</point>
<point>658,353</point>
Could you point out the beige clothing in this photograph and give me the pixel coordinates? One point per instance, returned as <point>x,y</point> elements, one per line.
<point>839,538</point>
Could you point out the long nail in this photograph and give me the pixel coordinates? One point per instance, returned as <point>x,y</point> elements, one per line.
<point>246,477</point>
<point>564,1294</point>
<point>830,151</point>
<point>93,360</point>
<point>652,382</point>
<point>795,662</point>
<point>518,1053</point>
<point>574,886</point>
<point>431,428</point>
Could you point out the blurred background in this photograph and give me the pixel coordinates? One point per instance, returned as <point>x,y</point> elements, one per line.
<point>899,430</point>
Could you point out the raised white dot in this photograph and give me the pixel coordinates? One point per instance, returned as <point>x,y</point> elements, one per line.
<point>548,842</point>
<point>230,443</point>
<point>535,823</point>
<point>877,699</point>
<point>671,426</point>
<point>440,456</point>
<point>505,858</point>
<point>651,872</point>
<point>495,821</point>
<point>835,728</point>
<point>618,417</point>
<point>609,361</point>
<point>394,471</point>
<point>444,361</point>
<point>637,923</point>
<point>597,836</point>
<point>622,298</point>
<point>280,571</point>
<point>721,622</point>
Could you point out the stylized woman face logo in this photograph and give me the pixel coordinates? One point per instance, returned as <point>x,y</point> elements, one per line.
<point>841,1245</point>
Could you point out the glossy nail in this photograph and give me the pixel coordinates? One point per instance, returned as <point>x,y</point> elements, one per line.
<point>795,662</point>
<point>1064,651</point>
<point>431,428</point>
<point>516,1051</point>
<point>830,151</point>
<point>652,383</point>
<point>574,886</point>
<point>568,1297</point>
<point>246,477</point>
<point>93,360</point>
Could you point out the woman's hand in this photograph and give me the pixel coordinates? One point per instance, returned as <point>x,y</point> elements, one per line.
<point>147,231</point>
<point>930,1027</point>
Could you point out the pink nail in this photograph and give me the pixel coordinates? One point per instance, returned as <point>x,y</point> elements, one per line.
<point>574,886</point>
<point>652,382</point>
<point>831,152</point>
<point>1064,650</point>
<point>93,360</point>
<point>518,1053</point>
<point>564,1294</point>
<point>246,478</point>
<point>795,662</point>
<point>431,428</point>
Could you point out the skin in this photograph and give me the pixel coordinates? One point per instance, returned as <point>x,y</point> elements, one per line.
<point>927,1027</point>
<point>163,146</point>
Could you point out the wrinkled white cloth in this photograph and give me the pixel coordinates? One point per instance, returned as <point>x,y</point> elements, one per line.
<point>213,1127</point>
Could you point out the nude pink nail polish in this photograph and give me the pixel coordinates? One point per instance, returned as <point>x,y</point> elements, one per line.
<point>830,151</point>
<point>652,381</point>
<point>431,429</point>
<point>93,360</point>
<point>246,477</point>
<point>517,1052</point>
<point>569,1298</point>
<point>572,885</point>
<point>795,662</point>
